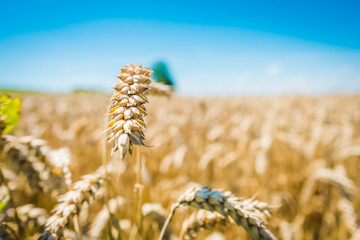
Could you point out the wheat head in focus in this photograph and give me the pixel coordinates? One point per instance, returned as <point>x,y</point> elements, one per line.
<point>127,109</point>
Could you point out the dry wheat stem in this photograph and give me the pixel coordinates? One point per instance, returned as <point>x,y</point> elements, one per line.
<point>167,222</point>
<point>138,188</point>
<point>106,174</point>
<point>248,213</point>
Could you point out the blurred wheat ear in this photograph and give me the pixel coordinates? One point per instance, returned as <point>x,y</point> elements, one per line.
<point>71,203</point>
<point>201,220</point>
<point>247,213</point>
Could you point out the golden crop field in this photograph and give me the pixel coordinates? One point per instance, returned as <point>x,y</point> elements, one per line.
<point>294,161</point>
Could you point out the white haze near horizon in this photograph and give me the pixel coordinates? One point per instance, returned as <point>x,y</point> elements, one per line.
<point>203,60</point>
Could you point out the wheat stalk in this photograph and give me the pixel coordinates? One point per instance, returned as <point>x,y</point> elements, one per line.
<point>248,213</point>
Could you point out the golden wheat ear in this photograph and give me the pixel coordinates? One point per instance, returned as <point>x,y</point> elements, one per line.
<point>126,112</point>
<point>248,213</point>
<point>201,220</point>
<point>71,203</point>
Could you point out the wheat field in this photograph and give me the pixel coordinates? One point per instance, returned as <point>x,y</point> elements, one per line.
<point>293,161</point>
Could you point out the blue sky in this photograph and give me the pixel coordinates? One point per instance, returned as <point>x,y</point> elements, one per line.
<point>211,48</point>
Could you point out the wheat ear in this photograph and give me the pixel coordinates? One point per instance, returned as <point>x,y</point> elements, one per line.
<point>54,160</point>
<point>127,108</point>
<point>32,157</point>
<point>71,202</point>
<point>31,218</point>
<point>17,156</point>
<point>248,213</point>
<point>201,220</point>
<point>349,216</point>
<point>336,177</point>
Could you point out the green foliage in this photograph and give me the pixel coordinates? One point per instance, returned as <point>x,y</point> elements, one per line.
<point>9,111</point>
<point>3,202</point>
<point>161,74</point>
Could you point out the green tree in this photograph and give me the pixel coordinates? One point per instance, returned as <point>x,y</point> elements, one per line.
<point>161,74</point>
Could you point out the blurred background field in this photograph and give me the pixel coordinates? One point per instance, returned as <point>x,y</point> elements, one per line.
<point>299,153</point>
